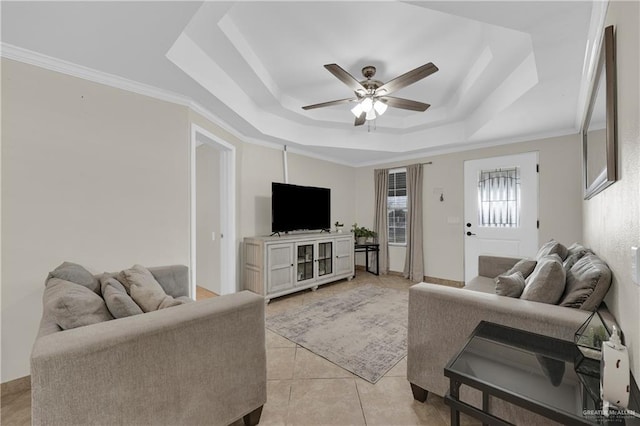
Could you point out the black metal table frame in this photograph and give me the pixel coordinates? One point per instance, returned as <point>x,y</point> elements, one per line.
<point>366,248</point>
<point>452,398</point>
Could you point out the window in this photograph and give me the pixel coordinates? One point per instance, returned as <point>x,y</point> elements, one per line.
<point>397,206</point>
<point>499,198</point>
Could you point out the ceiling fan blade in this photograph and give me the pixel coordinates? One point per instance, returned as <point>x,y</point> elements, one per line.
<point>407,78</point>
<point>360,120</point>
<point>330,103</point>
<point>404,103</point>
<point>345,77</point>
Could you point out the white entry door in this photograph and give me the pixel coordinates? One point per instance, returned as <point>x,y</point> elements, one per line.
<point>500,208</point>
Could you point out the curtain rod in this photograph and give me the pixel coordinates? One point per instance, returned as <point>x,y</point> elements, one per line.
<point>428,162</point>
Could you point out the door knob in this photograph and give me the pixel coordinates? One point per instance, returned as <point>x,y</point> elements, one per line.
<point>468,224</point>
<point>469,233</point>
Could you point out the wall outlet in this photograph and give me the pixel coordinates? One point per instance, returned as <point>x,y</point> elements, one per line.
<point>635,260</point>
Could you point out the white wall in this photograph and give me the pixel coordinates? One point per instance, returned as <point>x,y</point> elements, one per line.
<point>90,174</point>
<point>100,176</point>
<point>612,218</point>
<point>341,180</point>
<point>260,166</point>
<point>208,218</point>
<point>560,203</point>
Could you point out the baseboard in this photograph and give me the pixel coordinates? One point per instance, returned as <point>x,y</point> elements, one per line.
<point>14,386</point>
<point>443,281</point>
<point>427,279</point>
<point>393,273</point>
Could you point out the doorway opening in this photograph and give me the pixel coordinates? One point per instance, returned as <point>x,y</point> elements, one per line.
<point>212,213</point>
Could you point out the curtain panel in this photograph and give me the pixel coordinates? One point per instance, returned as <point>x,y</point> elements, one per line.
<point>381,177</point>
<point>414,259</point>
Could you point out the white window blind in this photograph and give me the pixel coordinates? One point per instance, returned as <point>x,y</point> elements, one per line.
<point>397,207</point>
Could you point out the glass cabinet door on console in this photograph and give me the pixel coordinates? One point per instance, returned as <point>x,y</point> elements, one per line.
<point>305,260</point>
<point>325,260</point>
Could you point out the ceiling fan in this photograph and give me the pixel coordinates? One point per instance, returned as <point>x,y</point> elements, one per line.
<point>372,96</point>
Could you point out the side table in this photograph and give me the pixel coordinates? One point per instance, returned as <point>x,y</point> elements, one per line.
<point>529,370</point>
<point>366,248</point>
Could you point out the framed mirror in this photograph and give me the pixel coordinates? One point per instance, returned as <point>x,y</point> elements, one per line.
<point>599,128</point>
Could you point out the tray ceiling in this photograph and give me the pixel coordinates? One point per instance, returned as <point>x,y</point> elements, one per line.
<point>508,70</point>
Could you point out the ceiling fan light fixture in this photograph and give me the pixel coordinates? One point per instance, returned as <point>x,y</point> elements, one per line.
<point>380,107</point>
<point>371,114</point>
<point>357,110</point>
<point>372,96</point>
<point>367,104</point>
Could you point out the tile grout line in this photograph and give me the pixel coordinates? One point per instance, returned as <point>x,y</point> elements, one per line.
<point>286,419</point>
<point>364,417</point>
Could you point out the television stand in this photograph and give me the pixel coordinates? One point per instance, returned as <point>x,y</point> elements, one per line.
<point>278,265</point>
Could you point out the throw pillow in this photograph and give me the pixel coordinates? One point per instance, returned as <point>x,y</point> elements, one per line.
<point>120,304</point>
<point>547,281</point>
<point>570,261</point>
<point>578,249</point>
<point>145,290</point>
<point>574,253</point>
<point>587,283</point>
<point>73,305</point>
<point>510,285</point>
<point>76,274</point>
<point>552,247</point>
<point>524,266</point>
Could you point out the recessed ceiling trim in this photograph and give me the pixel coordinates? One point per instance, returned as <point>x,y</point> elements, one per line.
<point>231,31</point>
<point>520,81</point>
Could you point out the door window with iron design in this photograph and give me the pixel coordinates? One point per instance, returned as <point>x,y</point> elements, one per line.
<point>499,198</point>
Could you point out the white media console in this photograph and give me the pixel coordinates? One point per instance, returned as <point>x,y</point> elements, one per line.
<point>275,266</point>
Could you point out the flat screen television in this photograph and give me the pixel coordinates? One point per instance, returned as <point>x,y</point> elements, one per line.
<point>295,207</point>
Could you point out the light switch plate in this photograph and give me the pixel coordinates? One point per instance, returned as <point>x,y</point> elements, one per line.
<point>213,236</point>
<point>635,261</point>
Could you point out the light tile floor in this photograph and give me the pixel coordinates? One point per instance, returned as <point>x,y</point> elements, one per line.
<point>305,389</point>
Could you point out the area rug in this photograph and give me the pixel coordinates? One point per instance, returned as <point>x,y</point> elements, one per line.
<point>363,330</point>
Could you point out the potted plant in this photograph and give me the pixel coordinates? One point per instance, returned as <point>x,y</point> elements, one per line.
<point>362,234</point>
<point>338,226</point>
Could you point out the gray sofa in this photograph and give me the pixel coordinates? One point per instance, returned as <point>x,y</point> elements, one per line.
<point>442,318</point>
<point>193,364</point>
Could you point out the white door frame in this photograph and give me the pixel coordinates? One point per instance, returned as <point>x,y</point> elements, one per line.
<point>227,208</point>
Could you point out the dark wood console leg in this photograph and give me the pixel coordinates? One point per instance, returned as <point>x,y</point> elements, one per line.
<point>253,418</point>
<point>419,394</point>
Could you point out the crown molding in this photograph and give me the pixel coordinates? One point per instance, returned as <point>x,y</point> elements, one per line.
<point>40,60</point>
<point>65,67</point>
<point>416,155</point>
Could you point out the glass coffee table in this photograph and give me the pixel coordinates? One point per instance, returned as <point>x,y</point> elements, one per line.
<point>531,371</point>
